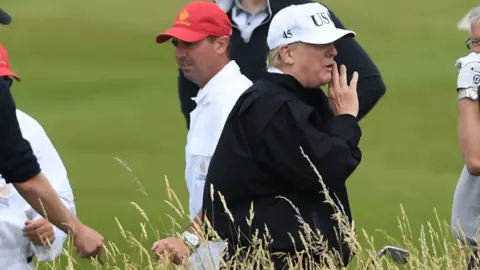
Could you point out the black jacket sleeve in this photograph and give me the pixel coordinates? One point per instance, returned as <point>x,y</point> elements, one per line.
<point>371,86</point>
<point>17,161</point>
<point>333,149</point>
<point>186,90</point>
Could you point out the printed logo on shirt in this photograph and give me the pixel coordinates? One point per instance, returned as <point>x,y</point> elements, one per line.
<point>202,171</point>
<point>476,79</point>
<point>203,167</point>
<point>5,192</point>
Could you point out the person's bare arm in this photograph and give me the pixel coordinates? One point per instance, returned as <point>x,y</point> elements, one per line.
<point>42,197</point>
<point>469,134</point>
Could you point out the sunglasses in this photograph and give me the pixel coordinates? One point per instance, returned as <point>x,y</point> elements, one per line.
<point>472,42</point>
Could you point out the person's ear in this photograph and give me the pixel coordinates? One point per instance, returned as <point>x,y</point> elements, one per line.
<point>221,44</point>
<point>286,54</point>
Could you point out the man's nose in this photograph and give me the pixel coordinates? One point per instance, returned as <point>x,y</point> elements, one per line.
<point>333,50</point>
<point>180,51</point>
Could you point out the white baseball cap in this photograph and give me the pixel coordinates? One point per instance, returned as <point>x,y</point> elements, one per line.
<point>308,23</point>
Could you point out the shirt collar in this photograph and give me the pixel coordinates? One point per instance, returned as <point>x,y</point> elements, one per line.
<point>274,70</point>
<point>227,5</point>
<point>238,4</point>
<point>217,83</point>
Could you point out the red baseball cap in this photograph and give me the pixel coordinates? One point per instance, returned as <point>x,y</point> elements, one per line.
<point>5,69</point>
<point>196,21</point>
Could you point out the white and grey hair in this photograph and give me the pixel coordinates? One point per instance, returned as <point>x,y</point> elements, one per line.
<point>473,18</point>
<point>273,58</point>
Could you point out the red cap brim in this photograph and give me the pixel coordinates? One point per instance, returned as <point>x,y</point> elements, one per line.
<point>182,34</point>
<point>9,73</point>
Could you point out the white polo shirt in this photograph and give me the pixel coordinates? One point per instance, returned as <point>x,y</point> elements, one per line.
<point>15,211</point>
<point>214,103</point>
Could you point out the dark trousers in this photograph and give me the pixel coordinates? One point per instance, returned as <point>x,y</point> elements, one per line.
<point>280,263</point>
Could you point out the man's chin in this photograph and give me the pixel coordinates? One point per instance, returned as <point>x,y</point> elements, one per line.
<point>190,76</point>
<point>324,81</point>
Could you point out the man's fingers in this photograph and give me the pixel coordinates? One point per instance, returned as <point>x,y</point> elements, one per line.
<point>170,251</point>
<point>30,234</point>
<point>354,81</point>
<point>160,249</point>
<point>51,239</point>
<point>180,254</point>
<point>343,76</point>
<point>335,75</point>
<point>30,226</point>
<point>155,246</point>
<point>44,229</point>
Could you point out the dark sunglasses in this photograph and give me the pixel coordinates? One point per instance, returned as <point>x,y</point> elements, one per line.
<point>472,42</point>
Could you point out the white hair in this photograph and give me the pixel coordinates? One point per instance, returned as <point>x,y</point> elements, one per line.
<point>474,18</point>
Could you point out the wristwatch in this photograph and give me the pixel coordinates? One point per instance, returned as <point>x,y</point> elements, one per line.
<point>191,239</point>
<point>469,92</point>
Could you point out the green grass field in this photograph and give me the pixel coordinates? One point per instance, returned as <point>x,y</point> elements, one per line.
<point>102,88</point>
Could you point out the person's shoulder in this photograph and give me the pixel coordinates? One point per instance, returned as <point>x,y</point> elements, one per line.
<point>240,81</point>
<point>26,118</point>
<point>236,86</point>
<point>29,125</point>
<point>260,97</point>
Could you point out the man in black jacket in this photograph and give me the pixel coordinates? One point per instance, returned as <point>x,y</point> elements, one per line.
<point>258,166</point>
<point>19,166</point>
<point>251,20</point>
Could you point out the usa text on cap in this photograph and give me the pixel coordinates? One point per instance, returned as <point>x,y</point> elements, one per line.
<point>196,21</point>
<point>308,23</point>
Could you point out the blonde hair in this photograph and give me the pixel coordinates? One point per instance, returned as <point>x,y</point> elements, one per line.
<point>273,57</point>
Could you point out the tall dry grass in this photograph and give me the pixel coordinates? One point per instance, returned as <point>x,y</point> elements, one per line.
<point>434,249</point>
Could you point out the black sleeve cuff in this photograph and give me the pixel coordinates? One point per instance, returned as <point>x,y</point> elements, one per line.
<point>346,126</point>
<point>21,166</point>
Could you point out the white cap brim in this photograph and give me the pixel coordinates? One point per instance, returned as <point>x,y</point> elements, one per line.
<point>329,37</point>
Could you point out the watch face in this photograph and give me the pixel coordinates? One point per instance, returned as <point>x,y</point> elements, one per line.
<point>191,238</point>
<point>194,240</point>
<point>473,94</point>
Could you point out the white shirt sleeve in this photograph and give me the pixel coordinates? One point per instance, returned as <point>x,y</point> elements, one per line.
<point>53,168</point>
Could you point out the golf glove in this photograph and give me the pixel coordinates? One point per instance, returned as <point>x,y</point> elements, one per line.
<point>468,71</point>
